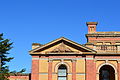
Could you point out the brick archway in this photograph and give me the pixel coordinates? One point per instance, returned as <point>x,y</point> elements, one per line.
<point>106,72</point>
<point>58,64</point>
<point>112,72</point>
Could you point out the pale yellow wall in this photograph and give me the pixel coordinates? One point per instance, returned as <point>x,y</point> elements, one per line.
<point>80,77</point>
<point>43,68</point>
<point>70,65</point>
<point>54,63</point>
<point>54,76</point>
<point>80,69</point>
<point>69,76</point>
<point>113,63</point>
<point>43,77</point>
<point>98,63</point>
<point>80,66</point>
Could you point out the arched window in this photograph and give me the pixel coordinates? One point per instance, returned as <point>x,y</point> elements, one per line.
<point>107,72</point>
<point>62,72</point>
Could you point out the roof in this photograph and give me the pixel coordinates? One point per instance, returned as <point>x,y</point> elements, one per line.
<point>19,74</point>
<point>62,39</point>
<point>104,34</point>
<point>112,32</point>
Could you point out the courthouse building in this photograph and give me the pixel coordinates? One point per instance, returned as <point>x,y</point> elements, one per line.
<point>64,59</point>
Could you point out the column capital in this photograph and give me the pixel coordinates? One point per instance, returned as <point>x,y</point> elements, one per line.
<point>50,60</point>
<point>106,61</point>
<point>95,60</point>
<point>73,60</point>
<point>118,61</point>
<point>62,60</point>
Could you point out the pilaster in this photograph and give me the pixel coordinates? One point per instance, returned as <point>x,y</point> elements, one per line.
<point>90,68</point>
<point>49,69</point>
<point>35,68</point>
<point>73,69</point>
<point>118,69</point>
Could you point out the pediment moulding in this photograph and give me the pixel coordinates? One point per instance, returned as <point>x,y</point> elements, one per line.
<point>62,46</point>
<point>61,49</point>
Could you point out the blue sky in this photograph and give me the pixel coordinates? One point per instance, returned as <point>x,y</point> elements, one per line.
<point>40,21</point>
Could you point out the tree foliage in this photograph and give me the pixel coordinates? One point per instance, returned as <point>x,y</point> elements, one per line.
<point>5,46</point>
<point>21,71</point>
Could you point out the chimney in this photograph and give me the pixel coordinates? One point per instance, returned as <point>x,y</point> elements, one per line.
<point>92,27</point>
<point>36,45</point>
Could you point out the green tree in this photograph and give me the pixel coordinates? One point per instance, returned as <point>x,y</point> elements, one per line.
<point>5,46</point>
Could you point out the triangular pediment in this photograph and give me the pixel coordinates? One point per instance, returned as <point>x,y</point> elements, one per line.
<point>61,49</point>
<point>61,46</point>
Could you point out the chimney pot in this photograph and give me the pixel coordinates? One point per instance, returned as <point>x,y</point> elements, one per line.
<point>36,45</point>
<point>91,23</point>
<point>91,26</point>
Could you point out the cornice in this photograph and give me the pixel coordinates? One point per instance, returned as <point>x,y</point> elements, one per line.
<point>102,35</point>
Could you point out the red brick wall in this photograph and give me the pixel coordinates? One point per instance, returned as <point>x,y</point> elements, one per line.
<point>19,77</point>
<point>73,70</point>
<point>50,70</point>
<point>118,69</point>
<point>90,68</point>
<point>35,68</point>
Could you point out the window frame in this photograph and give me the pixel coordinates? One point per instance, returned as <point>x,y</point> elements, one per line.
<point>58,76</point>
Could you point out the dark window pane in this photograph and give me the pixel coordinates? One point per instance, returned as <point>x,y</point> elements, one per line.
<point>105,74</point>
